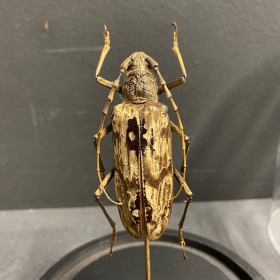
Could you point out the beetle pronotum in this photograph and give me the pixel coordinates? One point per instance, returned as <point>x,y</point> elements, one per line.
<point>143,166</point>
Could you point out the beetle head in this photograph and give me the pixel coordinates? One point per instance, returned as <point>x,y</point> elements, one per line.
<point>137,62</point>
<point>140,85</point>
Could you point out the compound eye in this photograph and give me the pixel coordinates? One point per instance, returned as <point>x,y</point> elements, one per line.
<point>130,66</point>
<point>148,65</point>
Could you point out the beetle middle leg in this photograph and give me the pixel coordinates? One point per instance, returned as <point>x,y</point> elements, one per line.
<point>183,184</point>
<point>105,131</point>
<point>177,131</point>
<point>188,200</point>
<point>100,167</point>
<point>97,195</point>
<point>100,131</point>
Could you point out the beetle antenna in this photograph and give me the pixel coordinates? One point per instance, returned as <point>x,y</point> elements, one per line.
<point>176,194</point>
<point>117,203</point>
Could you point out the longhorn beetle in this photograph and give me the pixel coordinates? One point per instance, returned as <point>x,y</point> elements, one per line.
<point>143,166</point>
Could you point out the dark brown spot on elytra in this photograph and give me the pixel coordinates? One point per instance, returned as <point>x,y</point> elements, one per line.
<point>135,211</point>
<point>148,212</point>
<point>143,131</point>
<point>148,208</point>
<point>152,141</point>
<point>133,145</point>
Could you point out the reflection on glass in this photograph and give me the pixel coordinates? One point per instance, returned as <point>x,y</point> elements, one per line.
<point>274,221</point>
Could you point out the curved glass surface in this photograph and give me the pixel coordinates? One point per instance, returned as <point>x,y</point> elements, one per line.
<point>274,221</point>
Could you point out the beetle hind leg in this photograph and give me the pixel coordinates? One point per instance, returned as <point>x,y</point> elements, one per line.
<point>97,195</point>
<point>181,223</point>
<point>188,201</point>
<point>112,223</point>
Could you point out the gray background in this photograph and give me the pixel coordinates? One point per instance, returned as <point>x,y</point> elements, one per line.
<point>51,105</point>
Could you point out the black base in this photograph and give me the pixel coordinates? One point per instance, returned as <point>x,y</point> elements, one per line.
<point>206,260</point>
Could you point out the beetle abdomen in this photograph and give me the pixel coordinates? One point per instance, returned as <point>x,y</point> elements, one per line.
<point>143,167</point>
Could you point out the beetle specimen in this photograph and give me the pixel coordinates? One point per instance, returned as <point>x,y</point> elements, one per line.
<point>143,166</point>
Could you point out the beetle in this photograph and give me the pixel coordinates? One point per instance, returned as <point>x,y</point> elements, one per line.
<point>143,166</point>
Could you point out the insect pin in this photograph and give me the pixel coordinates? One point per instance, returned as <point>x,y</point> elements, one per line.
<point>143,165</point>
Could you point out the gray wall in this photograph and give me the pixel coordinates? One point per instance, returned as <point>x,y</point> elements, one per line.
<point>51,105</point>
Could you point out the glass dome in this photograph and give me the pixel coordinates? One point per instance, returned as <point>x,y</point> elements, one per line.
<point>274,221</point>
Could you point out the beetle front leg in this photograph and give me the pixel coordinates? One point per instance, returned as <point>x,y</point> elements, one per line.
<point>97,195</point>
<point>104,52</point>
<point>176,50</point>
<point>108,84</point>
<point>171,85</point>
<point>188,201</point>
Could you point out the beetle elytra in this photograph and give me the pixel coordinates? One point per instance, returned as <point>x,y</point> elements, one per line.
<point>143,166</point>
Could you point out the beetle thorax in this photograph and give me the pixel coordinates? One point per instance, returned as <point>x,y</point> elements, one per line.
<point>140,85</point>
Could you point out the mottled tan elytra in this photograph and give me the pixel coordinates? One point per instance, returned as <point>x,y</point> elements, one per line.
<point>143,166</point>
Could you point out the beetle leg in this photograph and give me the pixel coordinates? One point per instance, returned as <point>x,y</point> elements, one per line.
<point>97,195</point>
<point>155,66</point>
<point>100,131</point>
<point>104,52</point>
<point>108,84</point>
<point>179,178</point>
<point>177,51</point>
<point>100,135</point>
<point>105,131</point>
<point>181,223</point>
<point>177,131</point>
<point>171,85</point>
<point>188,200</point>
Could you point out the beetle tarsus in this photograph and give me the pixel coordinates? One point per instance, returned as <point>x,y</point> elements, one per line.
<point>113,240</point>
<point>183,249</point>
<point>175,25</point>
<point>97,195</point>
<point>106,35</point>
<point>182,243</point>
